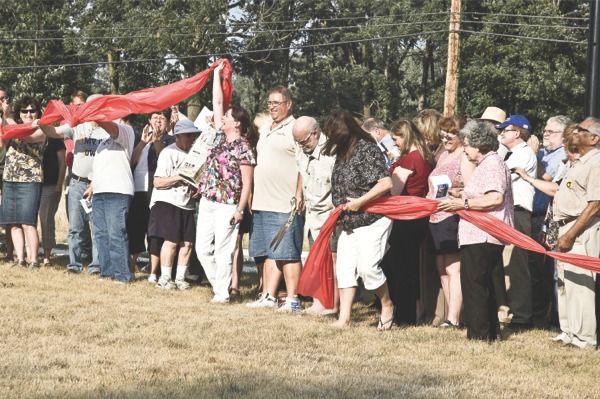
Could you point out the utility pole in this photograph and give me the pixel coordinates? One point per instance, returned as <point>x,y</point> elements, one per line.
<point>592,84</point>
<point>452,69</point>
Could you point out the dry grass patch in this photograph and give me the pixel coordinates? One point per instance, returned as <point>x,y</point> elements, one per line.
<point>72,336</point>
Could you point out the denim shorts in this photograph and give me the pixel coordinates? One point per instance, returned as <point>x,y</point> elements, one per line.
<point>20,202</point>
<point>265,226</point>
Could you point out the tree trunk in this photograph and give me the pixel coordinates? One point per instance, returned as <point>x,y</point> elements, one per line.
<point>113,74</point>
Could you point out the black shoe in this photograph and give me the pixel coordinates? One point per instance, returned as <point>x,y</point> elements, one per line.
<point>519,327</point>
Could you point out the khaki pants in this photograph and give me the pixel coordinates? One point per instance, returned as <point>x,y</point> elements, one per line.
<point>576,288</point>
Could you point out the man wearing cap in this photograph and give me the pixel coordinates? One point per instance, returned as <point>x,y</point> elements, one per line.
<point>496,116</point>
<point>541,266</point>
<point>576,208</point>
<point>172,207</point>
<point>515,132</point>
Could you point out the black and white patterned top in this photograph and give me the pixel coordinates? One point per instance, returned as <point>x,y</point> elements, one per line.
<point>355,178</point>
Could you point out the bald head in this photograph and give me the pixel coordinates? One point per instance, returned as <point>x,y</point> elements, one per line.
<point>306,133</point>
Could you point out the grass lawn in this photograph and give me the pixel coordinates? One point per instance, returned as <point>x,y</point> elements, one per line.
<point>72,336</point>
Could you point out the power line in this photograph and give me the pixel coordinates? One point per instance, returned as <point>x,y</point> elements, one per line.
<point>521,37</point>
<point>237,23</point>
<point>526,15</point>
<point>300,47</point>
<point>526,25</point>
<point>305,30</point>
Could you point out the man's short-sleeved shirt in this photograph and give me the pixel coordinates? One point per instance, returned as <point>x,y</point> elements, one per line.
<point>580,186</point>
<point>523,157</point>
<point>550,160</point>
<point>355,178</point>
<point>111,169</point>
<point>276,173</point>
<point>316,170</point>
<point>169,161</point>
<point>86,139</point>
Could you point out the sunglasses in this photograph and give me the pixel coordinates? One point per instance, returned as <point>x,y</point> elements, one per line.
<point>28,111</point>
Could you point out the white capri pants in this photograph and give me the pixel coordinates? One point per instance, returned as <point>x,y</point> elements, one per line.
<point>359,254</point>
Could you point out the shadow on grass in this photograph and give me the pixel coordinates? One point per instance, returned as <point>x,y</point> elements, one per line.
<point>282,385</point>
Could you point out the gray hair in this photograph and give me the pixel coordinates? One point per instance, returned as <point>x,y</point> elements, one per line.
<point>374,123</point>
<point>481,135</point>
<point>560,121</point>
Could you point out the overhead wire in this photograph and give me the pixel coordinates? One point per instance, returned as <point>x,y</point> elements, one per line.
<point>299,47</point>
<point>302,30</point>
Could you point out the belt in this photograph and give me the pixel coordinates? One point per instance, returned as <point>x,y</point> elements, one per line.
<point>566,221</point>
<point>79,178</point>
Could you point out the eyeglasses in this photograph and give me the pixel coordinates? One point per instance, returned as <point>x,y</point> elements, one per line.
<point>508,130</point>
<point>447,137</point>
<point>303,142</point>
<point>581,129</point>
<point>28,111</point>
<point>275,103</point>
<point>4,98</point>
<point>546,131</point>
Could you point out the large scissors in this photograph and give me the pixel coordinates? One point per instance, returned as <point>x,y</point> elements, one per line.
<point>279,236</point>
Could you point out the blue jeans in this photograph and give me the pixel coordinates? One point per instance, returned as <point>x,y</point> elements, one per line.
<point>109,214</point>
<point>77,220</point>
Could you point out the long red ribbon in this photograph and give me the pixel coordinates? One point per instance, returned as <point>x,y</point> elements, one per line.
<point>316,279</point>
<point>111,107</point>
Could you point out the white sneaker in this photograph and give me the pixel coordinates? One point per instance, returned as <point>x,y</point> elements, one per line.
<point>288,305</point>
<point>267,301</point>
<point>152,279</point>
<point>219,300</point>
<point>562,337</point>
<point>182,285</point>
<point>165,283</point>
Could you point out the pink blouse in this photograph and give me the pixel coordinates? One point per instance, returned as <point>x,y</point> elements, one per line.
<point>491,174</point>
<point>452,170</point>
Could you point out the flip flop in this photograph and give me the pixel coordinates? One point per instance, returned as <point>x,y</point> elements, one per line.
<point>385,326</point>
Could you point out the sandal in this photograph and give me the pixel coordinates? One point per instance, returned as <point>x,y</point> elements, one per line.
<point>448,324</point>
<point>20,263</point>
<point>234,295</point>
<point>385,326</point>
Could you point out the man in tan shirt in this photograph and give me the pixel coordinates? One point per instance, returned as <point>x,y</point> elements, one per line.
<point>576,207</point>
<point>276,182</point>
<point>315,170</point>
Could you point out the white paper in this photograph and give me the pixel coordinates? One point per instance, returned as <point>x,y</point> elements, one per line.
<point>87,205</point>
<point>204,119</point>
<point>441,185</point>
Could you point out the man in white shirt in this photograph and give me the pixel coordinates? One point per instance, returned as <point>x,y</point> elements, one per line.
<point>515,132</point>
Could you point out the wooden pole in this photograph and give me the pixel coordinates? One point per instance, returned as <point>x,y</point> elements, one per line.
<point>452,69</point>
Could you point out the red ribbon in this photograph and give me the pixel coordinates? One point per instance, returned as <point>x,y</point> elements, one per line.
<point>111,107</point>
<point>316,279</point>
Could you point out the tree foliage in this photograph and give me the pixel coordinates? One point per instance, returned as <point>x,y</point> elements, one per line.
<point>384,58</point>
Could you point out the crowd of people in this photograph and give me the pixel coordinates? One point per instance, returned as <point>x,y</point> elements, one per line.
<point>278,178</point>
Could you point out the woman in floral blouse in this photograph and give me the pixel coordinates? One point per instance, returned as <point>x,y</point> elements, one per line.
<point>225,188</point>
<point>359,175</point>
<point>489,190</point>
<point>22,186</point>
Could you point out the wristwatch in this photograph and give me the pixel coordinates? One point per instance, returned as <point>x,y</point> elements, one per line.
<point>240,212</point>
<point>466,204</point>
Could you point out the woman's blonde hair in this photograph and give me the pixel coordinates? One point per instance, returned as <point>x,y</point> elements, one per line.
<point>406,129</point>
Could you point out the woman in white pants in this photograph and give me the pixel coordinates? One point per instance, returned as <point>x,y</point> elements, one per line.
<point>225,188</point>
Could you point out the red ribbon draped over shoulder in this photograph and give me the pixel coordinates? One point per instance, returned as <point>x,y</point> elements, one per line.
<point>316,279</point>
<point>111,107</point>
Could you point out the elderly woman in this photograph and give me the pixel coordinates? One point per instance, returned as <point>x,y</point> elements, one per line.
<point>401,262</point>
<point>443,225</point>
<point>225,188</point>
<point>359,176</point>
<point>488,190</point>
<point>22,185</point>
